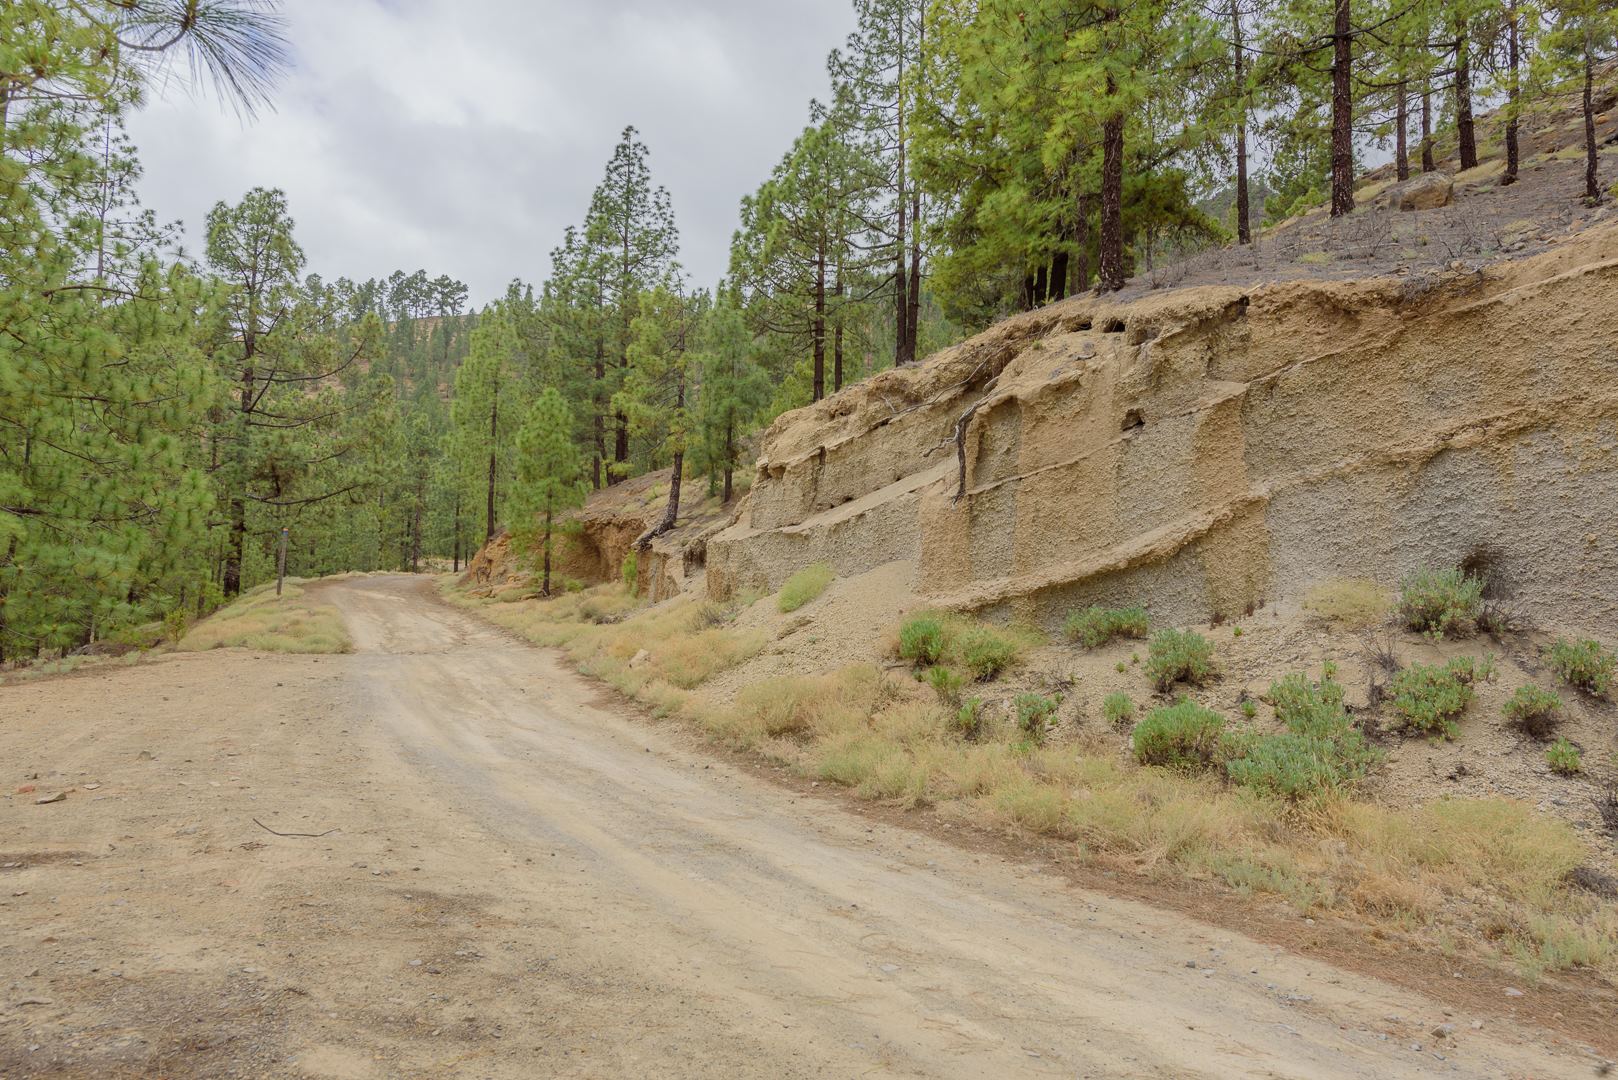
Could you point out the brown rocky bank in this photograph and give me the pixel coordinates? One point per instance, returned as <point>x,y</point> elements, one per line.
<point>1207,450</point>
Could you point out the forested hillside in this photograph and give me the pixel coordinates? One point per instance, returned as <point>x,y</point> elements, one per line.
<point>166,414</point>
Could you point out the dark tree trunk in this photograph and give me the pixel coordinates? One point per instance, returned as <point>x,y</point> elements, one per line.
<point>600,418</point>
<point>545,585</point>
<point>1342,111</point>
<point>1244,228</point>
<point>1512,91</point>
<point>1401,134</point>
<point>1427,163</point>
<point>913,296</point>
<point>494,429</point>
<point>1042,284</point>
<point>1463,102</point>
<point>1081,240</point>
<point>620,446</point>
<point>1111,274</point>
<point>730,458</point>
<point>237,548</point>
<point>1592,188</point>
<point>1059,275</point>
<point>837,332</point>
<point>819,328</point>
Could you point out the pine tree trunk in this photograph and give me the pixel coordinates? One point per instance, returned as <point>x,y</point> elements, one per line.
<point>1427,163</point>
<point>730,458</point>
<point>600,419</point>
<point>1244,229</point>
<point>819,327</point>
<point>1058,284</point>
<point>1081,240</point>
<point>913,298</point>
<point>236,549</point>
<point>1513,88</point>
<point>455,538</point>
<point>545,585</point>
<point>1111,273</point>
<point>1463,101</point>
<point>1342,111</point>
<point>901,301</point>
<point>1401,137</point>
<point>1592,187</point>
<point>1042,284</point>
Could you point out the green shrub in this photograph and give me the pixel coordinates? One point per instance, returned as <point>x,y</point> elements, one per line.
<point>1535,712</point>
<point>946,682</point>
<point>1249,708</point>
<point>1441,603</point>
<point>1321,752</point>
<point>968,720</point>
<point>1564,758</point>
<point>1034,714</point>
<point>1429,699</point>
<point>630,571</point>
<point>921,639</point>
<point>1095,626</point>
<point>1584,664</point>
<point>1180,736</point>
<point>1179,656</point>
<point>985,652</point>
<point>1118,709</point>
<point>804,586</point>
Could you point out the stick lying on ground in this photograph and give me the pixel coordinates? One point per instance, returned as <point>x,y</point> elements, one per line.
<point>311,835</point>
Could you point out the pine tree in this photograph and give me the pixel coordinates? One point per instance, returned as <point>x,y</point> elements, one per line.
<point>484,411</point>
<point>549,477</point>
<point>734,392</point>
<point>655,398</point>
<point>630,229</point>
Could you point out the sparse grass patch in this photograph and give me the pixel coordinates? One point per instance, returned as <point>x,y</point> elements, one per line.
<point>1095,626</point>
<point>1118,709</point>
<point>804,586</point>
<point>981,651</point>
<point>1441,603</point>
<point>1564,758</point>
<point>921,639</point>
<point>1535,712</point>
<point>1429,700</point>
<point>290,623</point>
<point>1179,656</point>
<point>1182,736</point>
<point>1353,602</point>
<point>1034,715</point>
<point>1584,664</point>
<point>1320,755</point>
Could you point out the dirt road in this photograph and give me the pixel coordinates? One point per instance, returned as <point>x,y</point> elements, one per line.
<point>525,881</point>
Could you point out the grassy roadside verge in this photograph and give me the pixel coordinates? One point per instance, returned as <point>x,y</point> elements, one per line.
<point>1483,878</point>
<point>290,623</point>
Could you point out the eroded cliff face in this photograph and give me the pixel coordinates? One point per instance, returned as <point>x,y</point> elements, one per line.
<point>1208,450</point>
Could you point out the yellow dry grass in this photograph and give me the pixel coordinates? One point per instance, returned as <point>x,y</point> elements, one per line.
<point>289,623</point>
<point>1354,603</point>
<point>1437,872</point>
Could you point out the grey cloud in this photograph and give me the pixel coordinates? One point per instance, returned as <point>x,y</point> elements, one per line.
<point>463,136</point>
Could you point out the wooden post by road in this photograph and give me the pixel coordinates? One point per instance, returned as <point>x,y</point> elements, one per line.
<point>281,562</point>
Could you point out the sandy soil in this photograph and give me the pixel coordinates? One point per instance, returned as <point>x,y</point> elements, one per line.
<point>523,879</point>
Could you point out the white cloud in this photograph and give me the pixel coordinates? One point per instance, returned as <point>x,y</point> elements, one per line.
<point>462,136</point>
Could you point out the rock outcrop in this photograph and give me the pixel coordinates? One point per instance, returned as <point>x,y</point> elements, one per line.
<point>1211,449</point>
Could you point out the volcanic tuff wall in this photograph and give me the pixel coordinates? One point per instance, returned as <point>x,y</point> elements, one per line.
<point>1209,449</point>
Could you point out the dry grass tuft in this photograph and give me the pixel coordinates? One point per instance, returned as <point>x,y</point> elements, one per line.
<point>1354,603</point>
<point>289,623</point>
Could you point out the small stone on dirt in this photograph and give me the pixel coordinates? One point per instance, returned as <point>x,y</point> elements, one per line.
<point>60,796</point>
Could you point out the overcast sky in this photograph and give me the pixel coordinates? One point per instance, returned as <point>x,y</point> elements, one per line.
<point>462,136</point>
